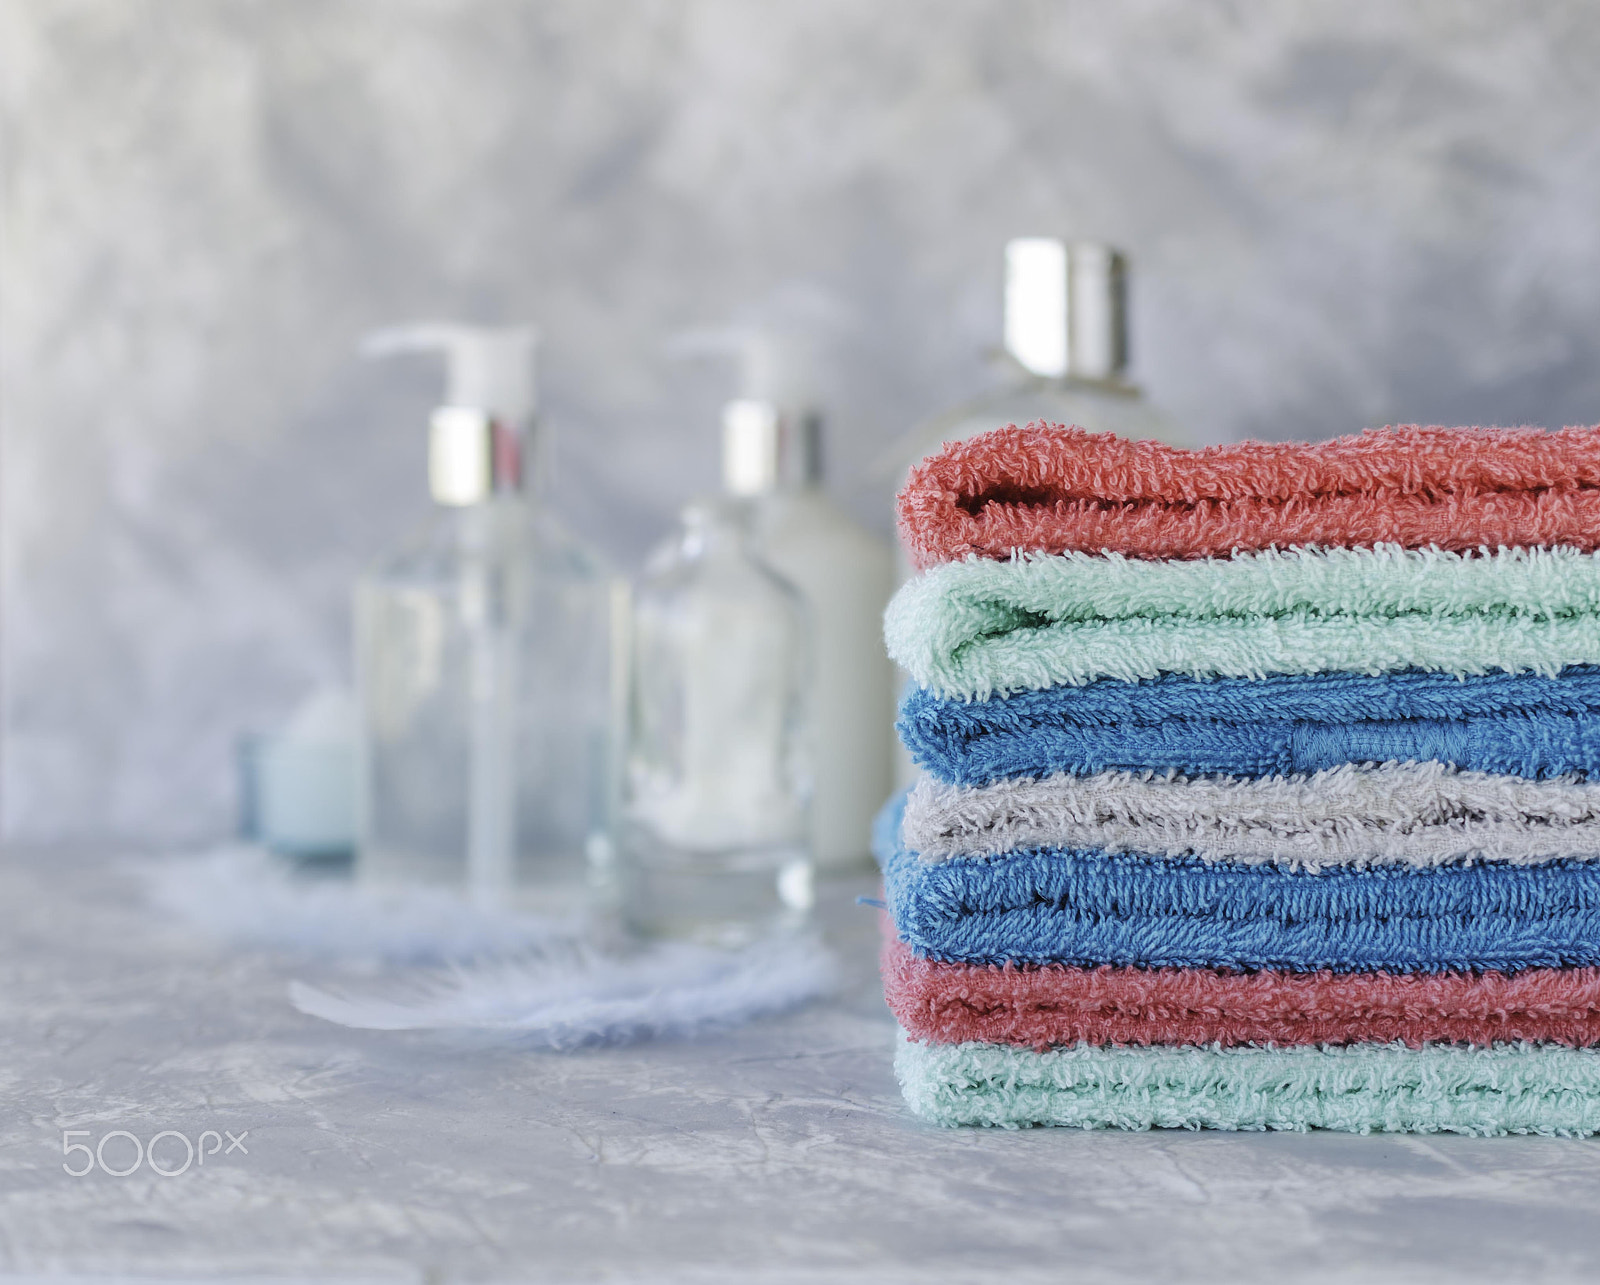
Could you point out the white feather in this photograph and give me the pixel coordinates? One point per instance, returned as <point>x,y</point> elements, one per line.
<point>673,989</point>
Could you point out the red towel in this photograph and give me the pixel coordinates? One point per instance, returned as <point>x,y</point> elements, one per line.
<point>1040,1007</point>
<point>1055,489</point>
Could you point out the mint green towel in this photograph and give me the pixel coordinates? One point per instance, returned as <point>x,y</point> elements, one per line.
<point>979,628</point>
<point>1360,1088</point>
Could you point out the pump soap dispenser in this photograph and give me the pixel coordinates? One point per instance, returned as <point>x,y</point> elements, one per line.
<point>845,573</point>
<point>488,685</point>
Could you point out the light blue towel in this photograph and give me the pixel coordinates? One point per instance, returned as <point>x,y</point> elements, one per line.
<point>1365,1088</point>
<point>979,628</point>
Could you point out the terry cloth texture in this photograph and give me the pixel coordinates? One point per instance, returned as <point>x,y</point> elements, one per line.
<point>1086,908</point>
<point>978,628</point>
<point>1057,489</point>
<point>1419,814</point>
<point>1522,724</point>
<point>1041,1007</point>
<point>1363,1088</point>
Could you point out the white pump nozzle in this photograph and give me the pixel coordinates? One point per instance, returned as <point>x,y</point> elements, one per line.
<point>490,367</point>
<point>474,437</point>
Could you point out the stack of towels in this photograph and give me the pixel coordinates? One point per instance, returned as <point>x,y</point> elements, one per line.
<point>1261,784</point>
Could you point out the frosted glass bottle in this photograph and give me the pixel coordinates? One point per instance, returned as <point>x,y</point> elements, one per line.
<point>846,574</point>
<point>490,691</point>
<point>718,786</point>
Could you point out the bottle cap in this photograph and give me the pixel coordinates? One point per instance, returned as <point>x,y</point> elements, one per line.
<point>1066,308</point>
<point>475,439</point>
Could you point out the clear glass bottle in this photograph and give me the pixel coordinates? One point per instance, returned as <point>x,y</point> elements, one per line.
<point>844,572</point>
<point>718,780</point>
<point>489,687</point>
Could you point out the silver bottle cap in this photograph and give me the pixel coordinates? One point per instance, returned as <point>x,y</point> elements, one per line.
<point>475,440</point>
<point>1066,308</point>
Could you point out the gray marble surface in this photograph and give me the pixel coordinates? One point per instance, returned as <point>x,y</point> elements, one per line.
<point>779,1152</point>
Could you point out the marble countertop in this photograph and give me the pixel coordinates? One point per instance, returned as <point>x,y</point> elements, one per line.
<point>779,1152</point>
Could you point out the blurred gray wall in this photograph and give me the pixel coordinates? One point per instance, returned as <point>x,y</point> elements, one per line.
<point>1340,214</point>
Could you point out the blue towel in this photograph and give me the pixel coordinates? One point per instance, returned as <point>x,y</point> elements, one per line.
<point>1525,725</point>
<point>1087,908</point>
